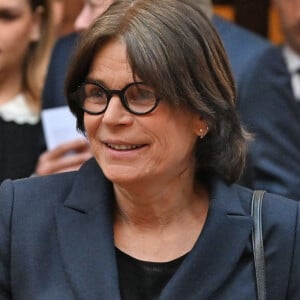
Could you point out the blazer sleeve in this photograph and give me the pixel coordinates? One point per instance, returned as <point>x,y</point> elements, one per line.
<point>294,282</point>
<point>6,204</point>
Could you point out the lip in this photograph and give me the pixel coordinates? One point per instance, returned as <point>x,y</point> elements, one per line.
<point>121,147</point>
<point>124,147</point>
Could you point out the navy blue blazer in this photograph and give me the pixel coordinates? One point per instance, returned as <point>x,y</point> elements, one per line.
<point>269,110</point>
<point>242,47</point>
<point>56,242</point>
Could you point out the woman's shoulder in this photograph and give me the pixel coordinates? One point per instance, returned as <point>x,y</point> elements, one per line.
<point>275,208</point>
<point>281,238</point>
<point>280,221</point>
<point>45,192</point>
<point>38,190</point>
<point>29,205</point>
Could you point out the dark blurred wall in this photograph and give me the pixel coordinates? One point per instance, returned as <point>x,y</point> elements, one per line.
<point>251,14</point>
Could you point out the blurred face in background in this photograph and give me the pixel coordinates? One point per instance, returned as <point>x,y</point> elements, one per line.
<point>19,26</point>
<point>58,13</point>
<point>90,11</point>
<point>289,14</point>
<point>65,13</point>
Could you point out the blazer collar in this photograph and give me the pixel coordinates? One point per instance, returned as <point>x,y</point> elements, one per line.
<point>85,232</point>
<point>225,236</point>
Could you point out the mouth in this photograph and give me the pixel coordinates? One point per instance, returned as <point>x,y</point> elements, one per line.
<point>121,147</point>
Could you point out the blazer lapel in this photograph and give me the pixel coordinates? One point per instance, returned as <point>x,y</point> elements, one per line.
<point>85,233</point>
<point>224,237</point>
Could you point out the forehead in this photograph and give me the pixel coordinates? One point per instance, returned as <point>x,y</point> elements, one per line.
<point>111,63</point>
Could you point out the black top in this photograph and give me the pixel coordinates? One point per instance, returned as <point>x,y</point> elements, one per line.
<point>20,147</point>
<point>143,280</point>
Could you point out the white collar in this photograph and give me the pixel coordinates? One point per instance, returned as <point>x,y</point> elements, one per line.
<point>18,111</point>
<point>292,59</point>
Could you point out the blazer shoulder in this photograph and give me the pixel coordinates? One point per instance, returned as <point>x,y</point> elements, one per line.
<point>280,215</point>
<point>281,231</point>
<point>36,191</point>
<point>275,208</point>
<point>281,235</point>
<point>235,33</point>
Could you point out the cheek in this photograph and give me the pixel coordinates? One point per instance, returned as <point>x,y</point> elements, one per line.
<point>91,124</point>
<point>173,146</point>
<point>15,39</point>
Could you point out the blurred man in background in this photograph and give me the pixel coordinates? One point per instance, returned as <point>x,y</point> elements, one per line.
<point>269,103</point>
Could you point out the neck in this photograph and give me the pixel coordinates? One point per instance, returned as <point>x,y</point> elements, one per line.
<point>157,210</point>
<point>152,224</point>
<point>10,86</point>
<point>155,202</point>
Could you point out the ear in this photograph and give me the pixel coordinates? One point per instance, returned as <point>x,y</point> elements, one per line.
<point>36,28</point>
<point>200,127</point>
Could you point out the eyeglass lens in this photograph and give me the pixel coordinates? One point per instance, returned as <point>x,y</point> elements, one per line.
<point>138,98</point>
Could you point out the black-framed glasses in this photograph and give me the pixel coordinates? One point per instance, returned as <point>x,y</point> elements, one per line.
<point>136,97</point>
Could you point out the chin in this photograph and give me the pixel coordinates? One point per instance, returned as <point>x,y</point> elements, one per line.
<point>121,175</point>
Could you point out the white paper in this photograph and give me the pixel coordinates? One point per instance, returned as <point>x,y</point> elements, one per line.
<point>59,126</point>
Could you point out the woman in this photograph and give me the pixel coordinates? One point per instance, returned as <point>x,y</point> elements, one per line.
<point>156,214</point>
<point>25,43</point>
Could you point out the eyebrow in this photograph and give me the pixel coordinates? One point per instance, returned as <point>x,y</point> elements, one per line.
<point>10,8</point>
<point>102,83</point>
<point>97,81</point>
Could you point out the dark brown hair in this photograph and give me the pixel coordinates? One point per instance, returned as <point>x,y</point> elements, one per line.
<point>173,47</point>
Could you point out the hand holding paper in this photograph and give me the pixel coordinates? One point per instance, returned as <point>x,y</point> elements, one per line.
<point>68,149</point>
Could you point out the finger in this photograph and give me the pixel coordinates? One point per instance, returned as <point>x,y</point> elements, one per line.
<point>71,161</point>
<point>73,146</point>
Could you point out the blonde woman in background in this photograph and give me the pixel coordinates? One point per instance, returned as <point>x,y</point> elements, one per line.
<point>25,43</point>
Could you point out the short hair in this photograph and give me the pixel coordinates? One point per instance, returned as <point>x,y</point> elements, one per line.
<point>173,47</point>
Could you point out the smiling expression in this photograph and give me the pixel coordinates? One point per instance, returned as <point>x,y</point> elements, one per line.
<point>131,148</point>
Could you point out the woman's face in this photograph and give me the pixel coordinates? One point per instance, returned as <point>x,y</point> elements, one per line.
<point>130,148</point>
<point>18,27</point>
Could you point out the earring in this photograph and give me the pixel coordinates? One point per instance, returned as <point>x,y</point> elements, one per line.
<point>201,133</point>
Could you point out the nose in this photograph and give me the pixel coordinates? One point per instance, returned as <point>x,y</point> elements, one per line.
<point>116,113</point>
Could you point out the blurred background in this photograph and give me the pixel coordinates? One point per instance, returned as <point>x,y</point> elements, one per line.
<point>257,15</point>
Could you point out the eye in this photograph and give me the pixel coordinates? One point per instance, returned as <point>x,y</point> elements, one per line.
<point>94,91</point>
<point>140,93</point>
<point>6,15</point>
